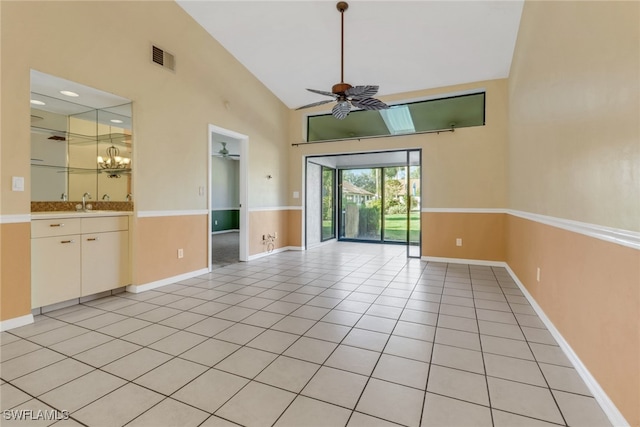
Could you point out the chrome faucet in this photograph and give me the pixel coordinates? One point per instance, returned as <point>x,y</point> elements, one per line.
<point>106,197</point>
<point>129,197</point>
<point>85,196</point>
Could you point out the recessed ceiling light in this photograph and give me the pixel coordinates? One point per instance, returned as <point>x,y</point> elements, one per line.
<point>69,93</point>
<point>116,121</point>
<point>36,102</point>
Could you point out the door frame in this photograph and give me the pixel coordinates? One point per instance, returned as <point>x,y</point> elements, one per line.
<point>243,141</point>
<point>338,198</point>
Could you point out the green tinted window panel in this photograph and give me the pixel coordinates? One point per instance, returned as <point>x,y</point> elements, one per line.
<point>431,115</point>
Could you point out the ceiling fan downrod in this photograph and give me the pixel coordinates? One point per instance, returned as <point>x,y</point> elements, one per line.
<point>345,94</point>
<point>341,87</point>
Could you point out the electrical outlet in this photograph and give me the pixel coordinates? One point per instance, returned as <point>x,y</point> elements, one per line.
<point>538,274</point>
<point>459,241</point>
<point>215,222</point>
<point>180,253</point>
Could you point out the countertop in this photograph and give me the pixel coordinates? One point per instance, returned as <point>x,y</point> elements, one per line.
<point>77,214</point>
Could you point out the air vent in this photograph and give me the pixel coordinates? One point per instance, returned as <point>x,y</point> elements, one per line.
<point>162,58</point>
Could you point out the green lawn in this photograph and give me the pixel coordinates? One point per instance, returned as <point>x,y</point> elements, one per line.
<point>395,227</point>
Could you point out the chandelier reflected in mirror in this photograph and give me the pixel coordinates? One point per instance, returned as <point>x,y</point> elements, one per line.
<point>114,164</point>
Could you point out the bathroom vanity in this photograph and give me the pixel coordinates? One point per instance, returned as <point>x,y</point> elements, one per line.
<point>76,254</point>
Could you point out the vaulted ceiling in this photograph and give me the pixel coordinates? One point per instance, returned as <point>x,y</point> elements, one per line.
<point>399,45</point>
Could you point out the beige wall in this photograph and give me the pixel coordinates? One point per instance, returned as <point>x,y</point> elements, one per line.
<point>561,139</point>
<point>156,244</point>
<point>589,290</point>
<point>574,97</point>
<point>482,234</point>
<point>15,274</point>
<point>574,153</point>
<point>108,48</point>
<point>285,223</point>
<point>171,111</point>
<point>463,169</point>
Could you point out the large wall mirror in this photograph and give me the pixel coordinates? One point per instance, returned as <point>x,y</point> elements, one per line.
<point>80,142</point>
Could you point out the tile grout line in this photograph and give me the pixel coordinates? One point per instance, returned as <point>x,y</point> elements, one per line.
<point>537,364</point>
<point>354,289</point>
<point>433,346</point>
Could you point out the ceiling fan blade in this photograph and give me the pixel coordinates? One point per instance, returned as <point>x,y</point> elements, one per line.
<point>322,92</point>
<point>315,104</point>
<point>341,110</point>
<point>369,104</point>
<point>362,91</point>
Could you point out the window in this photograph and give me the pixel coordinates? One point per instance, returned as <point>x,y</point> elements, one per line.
<point>402,119</point>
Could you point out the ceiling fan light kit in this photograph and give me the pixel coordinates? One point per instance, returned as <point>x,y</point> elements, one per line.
<point>224,152</point>
<point>345,94</point>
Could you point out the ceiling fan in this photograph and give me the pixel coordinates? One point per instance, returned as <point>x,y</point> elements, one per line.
<point>224,152</point>
<point>345,94</point>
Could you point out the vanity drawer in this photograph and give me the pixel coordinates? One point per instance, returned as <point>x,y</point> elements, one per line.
<point>55,227</point>
<point>104,224</point>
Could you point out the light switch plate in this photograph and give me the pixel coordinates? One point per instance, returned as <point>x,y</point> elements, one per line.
<point>17,183</point>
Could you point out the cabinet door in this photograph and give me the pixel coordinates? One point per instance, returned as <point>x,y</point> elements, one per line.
<point>105,261</point>
<point>55,269</point>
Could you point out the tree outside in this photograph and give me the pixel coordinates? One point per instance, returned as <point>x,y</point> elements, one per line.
<point>400,197</point>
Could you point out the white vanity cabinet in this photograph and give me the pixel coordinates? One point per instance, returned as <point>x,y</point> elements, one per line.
<point>55,261</point>
<point>78,256</point>
<point>105,254</point>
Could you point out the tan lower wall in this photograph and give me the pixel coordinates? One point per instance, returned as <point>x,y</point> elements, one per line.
<point>15,277</point>
<point>295,228</point>
<point>482,234</point>
<point>286,223</point>
<point>590,290</point>
<point>157,240</point>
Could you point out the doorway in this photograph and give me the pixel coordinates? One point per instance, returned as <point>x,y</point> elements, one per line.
<point>366,197</point>
<point>227,197</point>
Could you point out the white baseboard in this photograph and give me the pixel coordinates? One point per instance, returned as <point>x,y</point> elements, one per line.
<point>275,251</point>
<point>136,289</point>
<point>607,405</point>
<point>464,261</point>
<point>231,230</point>
<point>16,322</point>
<point>609,408</point>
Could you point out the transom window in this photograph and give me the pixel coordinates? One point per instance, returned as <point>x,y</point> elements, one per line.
<point>401,119</point>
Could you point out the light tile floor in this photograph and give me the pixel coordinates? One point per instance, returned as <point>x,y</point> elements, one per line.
<point>345,334</point>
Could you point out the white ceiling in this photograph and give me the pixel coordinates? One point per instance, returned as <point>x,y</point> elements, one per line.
<point>399,45</point>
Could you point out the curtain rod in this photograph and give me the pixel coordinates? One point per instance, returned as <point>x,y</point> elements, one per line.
<point>451,129</point>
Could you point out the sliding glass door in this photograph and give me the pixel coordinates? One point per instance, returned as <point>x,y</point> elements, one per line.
<point>394,215</point>
<point>381,204</point>
<point>413,197</point>
<point>375,204</point>
<point>328,204</point>
<point>360,204</point>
